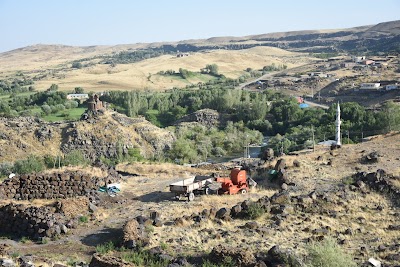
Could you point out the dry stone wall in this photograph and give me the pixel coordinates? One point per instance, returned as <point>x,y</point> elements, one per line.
<point>33,222</point>
<point>51,186</point>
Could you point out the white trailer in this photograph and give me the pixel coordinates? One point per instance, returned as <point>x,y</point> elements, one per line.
<point>188,187</point>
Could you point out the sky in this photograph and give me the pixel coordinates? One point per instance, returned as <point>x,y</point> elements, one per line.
<point>101,22</point>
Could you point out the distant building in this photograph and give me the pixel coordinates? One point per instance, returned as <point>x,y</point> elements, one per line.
<point>95,104</point>
<point>77,96</point>
<point>182,54</point>
<point>369,86</point>
<point>348,65</point>
<point>357,59</point>
<point>368,62</point>
<point>391,87</point>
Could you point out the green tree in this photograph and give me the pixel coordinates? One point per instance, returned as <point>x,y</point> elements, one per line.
<point>30,165</point>
<point>212,69</point>
<point>78,90</point>
<point>46,109</point>
<point>76,65</point>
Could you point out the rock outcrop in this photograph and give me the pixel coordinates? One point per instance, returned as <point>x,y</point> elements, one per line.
<point>206,117</point>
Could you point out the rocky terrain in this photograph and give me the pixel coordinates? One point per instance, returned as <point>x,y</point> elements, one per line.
<point>349,195</point>
<point>105,135</point>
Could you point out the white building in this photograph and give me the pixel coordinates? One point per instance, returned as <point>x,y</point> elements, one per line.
<point>370,86</point>
<point>77,96</point>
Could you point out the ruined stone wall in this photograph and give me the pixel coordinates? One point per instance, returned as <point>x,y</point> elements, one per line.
<point>52,186</point>
<point>32,222</point>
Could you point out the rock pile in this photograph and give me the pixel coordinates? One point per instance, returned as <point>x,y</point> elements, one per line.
<point>379,181</point>
<point>33,222</point>
<point>51,186</point>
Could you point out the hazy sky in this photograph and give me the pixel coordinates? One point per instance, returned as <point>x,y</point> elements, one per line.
<point>100,22</point>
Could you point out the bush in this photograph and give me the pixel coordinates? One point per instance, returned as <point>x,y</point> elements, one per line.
<point>29,165</point>
<point>144,258</point>
<point>5,169</point>
<point>75,158</point>
<point>76,65</point>
<point>83,219</point>
<point>328,254</point>
<point>105,248</point>
<point>254,211</point>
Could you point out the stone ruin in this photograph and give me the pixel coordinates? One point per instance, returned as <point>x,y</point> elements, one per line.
<point>75,191</point>
<point>50,186</point>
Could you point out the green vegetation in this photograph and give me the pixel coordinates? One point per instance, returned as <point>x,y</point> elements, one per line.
<point>29,165</point>
<point>105,248</point>
<point>83,219</point>
<point>16,85</point>
<point>196,143</point>
<point>50,104</point>
<point>143,258</point>
<point>70,114</point>
<point>324,55</point>
<point>328,254</point>
<point>255,210</point>
<point>76,65</point>
<point>274,67</point>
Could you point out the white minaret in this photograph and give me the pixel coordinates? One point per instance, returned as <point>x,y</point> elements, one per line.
<point>338,122</point>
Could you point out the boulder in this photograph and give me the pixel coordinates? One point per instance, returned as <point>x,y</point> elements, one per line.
<point>277,256</point>
<point>222,213</point>
<point>240,257</point>
<point>133,234</point>
<point>280,198</point>
<point>280,165</point>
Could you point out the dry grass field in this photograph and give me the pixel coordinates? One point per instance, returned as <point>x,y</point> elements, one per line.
<point>54,63</point>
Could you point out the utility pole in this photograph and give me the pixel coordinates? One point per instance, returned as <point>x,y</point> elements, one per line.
<point>348,137</point>
<point>313,138</point>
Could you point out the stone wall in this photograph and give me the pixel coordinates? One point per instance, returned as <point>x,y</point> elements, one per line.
<point>32,222</point>
<point>52,186</point>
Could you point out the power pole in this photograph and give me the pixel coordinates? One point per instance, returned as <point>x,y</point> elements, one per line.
<point>313,138</point>
<point>348,137</point>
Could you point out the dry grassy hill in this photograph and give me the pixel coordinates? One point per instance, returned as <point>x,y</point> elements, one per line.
<point>54,63</point>
<point>102,136</point>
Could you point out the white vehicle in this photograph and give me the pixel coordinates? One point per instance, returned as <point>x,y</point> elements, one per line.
<point>188,187</point>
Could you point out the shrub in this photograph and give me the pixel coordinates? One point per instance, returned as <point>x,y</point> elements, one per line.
<point>76,65</point>
<point>29,165</point>
<point>254,211</point>
<point>105,248</point>
<point>144,258</point>
<point>83,219</point>
<point>5,169</point>
<point>328,254</point>
<point>75,158</point>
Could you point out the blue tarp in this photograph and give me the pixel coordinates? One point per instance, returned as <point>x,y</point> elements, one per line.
<point>304,105</point>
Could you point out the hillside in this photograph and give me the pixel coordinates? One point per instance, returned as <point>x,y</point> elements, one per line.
<point>326,198</point>
<point>103,69</point>
<point>109,135</point>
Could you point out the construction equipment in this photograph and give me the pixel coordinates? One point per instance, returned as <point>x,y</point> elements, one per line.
<point>237,182</point>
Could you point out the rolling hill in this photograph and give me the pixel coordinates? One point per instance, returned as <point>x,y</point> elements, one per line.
<point>135,66</point>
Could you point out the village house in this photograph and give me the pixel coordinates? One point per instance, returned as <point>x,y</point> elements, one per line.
<point>370,86</point>
<point>77,96</point>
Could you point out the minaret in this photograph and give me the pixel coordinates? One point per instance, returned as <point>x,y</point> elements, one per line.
<point>338,122</point>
